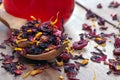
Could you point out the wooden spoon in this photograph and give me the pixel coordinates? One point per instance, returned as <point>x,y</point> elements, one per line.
<point>44,56</point>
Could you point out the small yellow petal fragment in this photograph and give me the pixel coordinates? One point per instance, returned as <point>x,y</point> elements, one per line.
<point>103,45</point>
<point>18,49</point>
<point>85,61</point>
<point>60,77</point>
<point>118,67</point>
<point>37,35</point>
<point>98,39</point>
<point>35,72</point>
<point>21,40</point>
<point>94,78</point>
<point>33,17</point>
<point>110,41</point>
<point>60,64</point>
<point>29,30</point>
<point>26,74</point>
<point>96,46</point>
<point>56,20</point>
<point>93,23</point>
<point>118,23</point>
<point>18,37</point>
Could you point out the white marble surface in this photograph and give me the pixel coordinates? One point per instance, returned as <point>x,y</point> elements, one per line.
<point>73,28</point>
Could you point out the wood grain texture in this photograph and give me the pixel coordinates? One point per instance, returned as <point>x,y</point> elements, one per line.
<point>73,28</point>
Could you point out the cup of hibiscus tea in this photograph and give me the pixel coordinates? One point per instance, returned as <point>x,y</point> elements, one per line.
<point>40,9</point>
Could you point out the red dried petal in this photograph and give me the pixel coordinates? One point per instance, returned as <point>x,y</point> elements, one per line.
<point>80,44</point>
<point>86,27</point>
<point>116,51</point>
<point>117,42</point>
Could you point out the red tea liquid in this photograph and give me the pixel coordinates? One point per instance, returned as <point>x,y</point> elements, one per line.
<point>42,9</point>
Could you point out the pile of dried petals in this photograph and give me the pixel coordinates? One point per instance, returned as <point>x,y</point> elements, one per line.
<point>12,64</point>
<point>40,38</point>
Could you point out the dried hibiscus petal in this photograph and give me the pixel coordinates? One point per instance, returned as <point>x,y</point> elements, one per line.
<point>90,14</point>
<point>2,46</point>
<point>86,27</point>
<point>114,66</point>
<point>80,44</point>
<point>100,40</point>
<point>114,4</point>
<point>12,65</point>
<point>101,21</point>
<point>117,42</point>
<point>116,51</point>
<point>70,70</point>
<point>98,59</point>
<point>93,34</point>
<point>99,6</point>
<point>64,56</point>
<point>114,16</point>
<point>98,56</point>
<point>106,35</point>
<point>103,28</point>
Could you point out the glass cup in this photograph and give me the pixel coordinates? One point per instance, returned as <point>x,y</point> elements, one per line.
<point>40,9</point>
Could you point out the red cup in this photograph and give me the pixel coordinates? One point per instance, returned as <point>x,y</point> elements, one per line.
<point>42,9</point>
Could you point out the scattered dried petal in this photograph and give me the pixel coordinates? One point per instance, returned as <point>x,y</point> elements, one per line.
<point>26,74</point>
<point>99,6</point>
<point>35,72</point>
